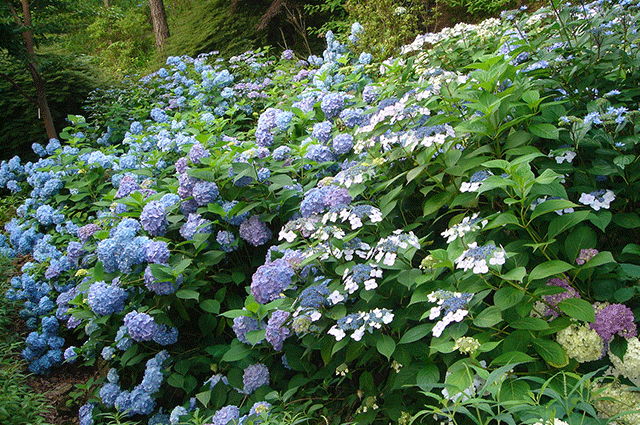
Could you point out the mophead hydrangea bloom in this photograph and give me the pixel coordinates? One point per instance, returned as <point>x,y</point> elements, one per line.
<point>140,326</point>
<point>270,280</point>
<point>254,376</point>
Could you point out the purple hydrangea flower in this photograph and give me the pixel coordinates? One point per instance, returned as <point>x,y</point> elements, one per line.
<point>205,192</point>
<point>255,231</point>
<point>586,255</point>
<point>140,326</point>
<point>181,165</point>
<point>554,299</point>
<point>197,152</point>
<point>319,154</point>
<point>270,280</point>
<point>195,224</point>
<point>154,218</point>
<point>128,185</point>
<point>157,252</point>
<point>615,319</point>
<point>254,376</point>
<point>86,231</point>
<point>275,332</point>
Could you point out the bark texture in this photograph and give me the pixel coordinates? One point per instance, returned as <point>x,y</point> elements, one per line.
<point>159,21</point>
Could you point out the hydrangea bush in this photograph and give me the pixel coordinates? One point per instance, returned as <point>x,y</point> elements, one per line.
<point>450,234</point>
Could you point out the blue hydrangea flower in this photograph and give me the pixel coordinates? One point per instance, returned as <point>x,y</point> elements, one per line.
<point>109,393</point>
<point>70,355</point>
<point>342,143</point>
<point>283,120</point>
<point>106,299</point>
<point>332,104</point>
<point>243,325</point>
<point>270,280</point>
<point>157,252</point>
<point>166,335</point>
<point>254,376</point>
<point>319,154</point>
<point>160,287</point>
<point>281,153</point>
<point>322,131</point>
<point>226,416</point>
<point>226,241</point>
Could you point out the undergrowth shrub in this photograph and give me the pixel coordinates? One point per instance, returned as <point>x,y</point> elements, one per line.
<point>73,79</point>
<point>450,235</point>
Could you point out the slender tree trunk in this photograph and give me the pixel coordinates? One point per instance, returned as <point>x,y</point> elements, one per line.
<point>106,3</point>
<point>159,20</point>
<point>38,82</point>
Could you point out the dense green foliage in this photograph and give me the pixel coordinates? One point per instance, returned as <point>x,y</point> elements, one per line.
<point>449,234</point>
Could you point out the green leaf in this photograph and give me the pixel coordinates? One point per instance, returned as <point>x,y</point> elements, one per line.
<point>581,237</point>
<point>601,219</point>
<point>513,390</point>
<point>507,297</point>
<point>204,397</point>
<point>488,317</point>
<point>415,334</point>
<point>236,352</point>
<point>599,259</point>
<point>511,357</point>
<point>255,337</point>
<point>188,294</point>
<point>530,324</point>
<point>502,220</point>
<point>210,306</point>
<point>386,346</point>
<point>628,220</point>
<point>578,309</point>
<point>545,131</point>
<point>549,268</point>
<point>566,222</point>
<point>551,352</point>
<point>427,376</point>
<point>551,205</point>
<point>516,274</point>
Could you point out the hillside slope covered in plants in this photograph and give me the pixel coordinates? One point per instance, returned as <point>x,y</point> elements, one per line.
<point>450,235</point>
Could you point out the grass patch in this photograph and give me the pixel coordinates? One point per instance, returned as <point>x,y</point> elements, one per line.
<point>19,403</point>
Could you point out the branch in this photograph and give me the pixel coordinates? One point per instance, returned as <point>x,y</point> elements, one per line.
<point>22,92</point>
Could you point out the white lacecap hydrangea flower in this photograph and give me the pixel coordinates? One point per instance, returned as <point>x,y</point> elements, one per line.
<point>386,250</point>
<point>479,258</point>
<point>599,199</point>
<point>467,225</point>
<point>475,181</point>
<point>562,155</point>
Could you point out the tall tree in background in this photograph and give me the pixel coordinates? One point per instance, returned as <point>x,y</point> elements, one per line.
<point>159,20</point>
<point>12,24</point>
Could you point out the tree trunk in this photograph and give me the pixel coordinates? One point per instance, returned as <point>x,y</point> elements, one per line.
<point>159,20</point>
<point>43,105</point>
<point>106,3</point>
